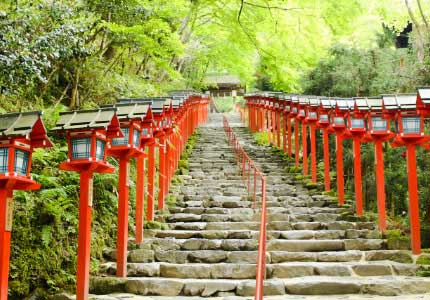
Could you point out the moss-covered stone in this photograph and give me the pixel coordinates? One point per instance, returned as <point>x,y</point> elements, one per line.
<point>156,225</point>
<point>423,259</point>
<point>107,285</point>
<point>396,240</point>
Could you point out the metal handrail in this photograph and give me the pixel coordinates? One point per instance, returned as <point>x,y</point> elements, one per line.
<point>246,164</point>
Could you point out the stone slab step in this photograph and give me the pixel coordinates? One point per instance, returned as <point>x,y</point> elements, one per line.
<point>275,225</point>
<point>164,244</point>
<point>271,234</point>
<point>215,256</point>
<point>315,285</point>
<point>190,217</point>
<point>214,270</point>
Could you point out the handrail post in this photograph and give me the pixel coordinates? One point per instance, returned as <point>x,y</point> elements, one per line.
<point>261,261</point>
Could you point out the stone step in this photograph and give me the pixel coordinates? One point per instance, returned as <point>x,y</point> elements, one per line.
<point>164,244</point>
<point>207,256</point>
<point>313,285</point>
<point>271,234</point>
<point>188,217</point>
<point>285,210</point>
<point>275,225</point>
<point>216,270</point>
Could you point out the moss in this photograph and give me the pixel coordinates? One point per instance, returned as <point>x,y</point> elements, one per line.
<point>396,240</point>
<point>170,200</point>
<point>294,169</point>
<point>156,225</point>
<point>423,259</point>
<point>107,285</point>
<point>330,193</point>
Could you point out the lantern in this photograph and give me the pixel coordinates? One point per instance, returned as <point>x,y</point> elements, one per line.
<point>130,116</point>
<point>410,133</point>
<point>87,133</point>
<point>326,106</point>
<point>378,131</point>
<point>312,119</point>
<point>338,116</point>
<point>301,116</point>
<point>20,133</point>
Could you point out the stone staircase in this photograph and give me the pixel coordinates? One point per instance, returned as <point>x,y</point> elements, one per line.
<point>210,248</point>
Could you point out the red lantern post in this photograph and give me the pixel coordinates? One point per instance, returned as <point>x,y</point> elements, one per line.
<point>410,133</point>
<point>130,116</point>
<point>324,112</point>
<point>301,117</point>
<point>378,131</point>
<point>20,134</point>
<point>312,119</point>
<point>294,110</point>
<point>338,125</point>
<point>356,129</point>
<point>87,133</point>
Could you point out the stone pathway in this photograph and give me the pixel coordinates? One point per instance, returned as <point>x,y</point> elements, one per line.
<point>315,247</point>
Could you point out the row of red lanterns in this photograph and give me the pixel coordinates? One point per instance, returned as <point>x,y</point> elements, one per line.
<point>398,119</point>
<point>122,130</point>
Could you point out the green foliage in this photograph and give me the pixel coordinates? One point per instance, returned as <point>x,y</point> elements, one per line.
<point>261,138</point>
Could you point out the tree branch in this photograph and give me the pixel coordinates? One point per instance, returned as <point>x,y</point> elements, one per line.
<point>272,7</point>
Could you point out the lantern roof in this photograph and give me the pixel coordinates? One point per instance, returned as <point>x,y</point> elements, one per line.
<point>424,93</point>
<point>400,102</point>
<point>102,118</point>
<point>157,103</point>
<point>303,100</point>
<point>26,124</point>
<point>361,104</point>
<point>294,99</point>
<point>130,111</point>
<point>345,104</point>
<point>314,101</point>
<point>374,103</point>
<point>328,103</point>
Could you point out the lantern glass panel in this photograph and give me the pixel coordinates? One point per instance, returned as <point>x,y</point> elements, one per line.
<point>302,112</point>
<point>324,118</point>
<point>81,148</point>
<point>411,125</point>
<point>357,123</point>
<point>339,121</point>
<point>294,109</point>
<point>136,137</point>
<point>379,124</point>
<point>21,162</point>
<point>123,140</point>
<point>312,115</point>
<point>4,158</point>
<point>100,149</point>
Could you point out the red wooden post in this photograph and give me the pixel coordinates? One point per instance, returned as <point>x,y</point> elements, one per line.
<point>84,235</point>
<point>278,128</point>
<point>304,149</point>
<point>414,215</point>
<point>140,198</point>
<point>284,132</point>
<point>296,142</point>
<point>380,184</point>
<point>313,153</point>
<point>151,177</point>
<point>339,169</point>
<point>122,232</point>
<point>6,211</point>
<point>289,137</point>
<point>357,176</point>
<point>161,171</point>
<point>326,158</point>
